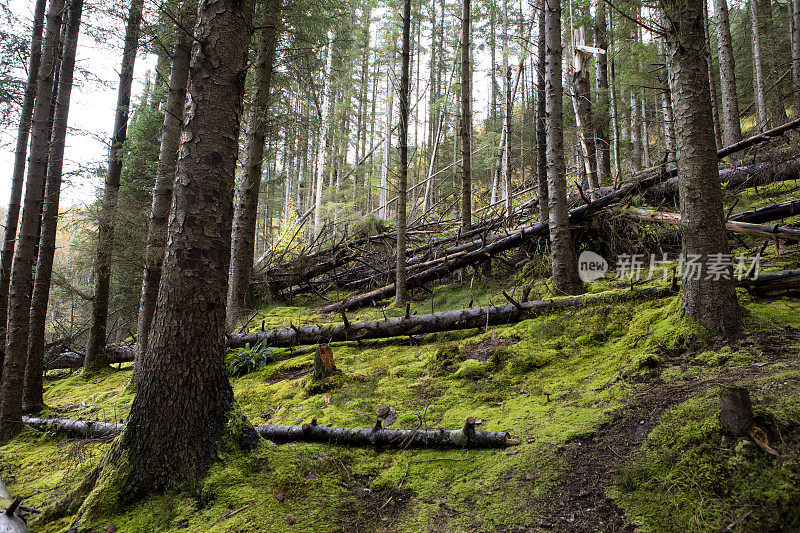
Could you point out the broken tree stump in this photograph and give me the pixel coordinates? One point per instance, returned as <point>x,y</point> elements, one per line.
<point>735,411</point>
<point>323,362</point>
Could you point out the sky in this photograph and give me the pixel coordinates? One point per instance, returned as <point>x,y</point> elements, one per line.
<point>91,116</point>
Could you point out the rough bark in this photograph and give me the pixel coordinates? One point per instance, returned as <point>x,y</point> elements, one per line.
<point>16,349</point>
<point>246,199</point>
<point>636,132</point>
<point>711,302</point>
<point>184,404</point>
<point>731,127</point>
<point>712,80</point>
<point>18,174</point>
<point>582,105</point>
<point>794,10</point>
<point>402,182</point>
<point>465,125</point>
<point>32,394</point>
<point>541,119</point>
<point>322,145</point>
<point>602,118</point>
<point>162,191</point>
<point>95,345</point>
<point>736,412</point>
<point>565,264</point>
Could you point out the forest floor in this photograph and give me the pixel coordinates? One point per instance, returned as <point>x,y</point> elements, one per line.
<point>616,408</point>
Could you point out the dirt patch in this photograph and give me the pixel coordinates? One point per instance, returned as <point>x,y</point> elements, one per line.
<point>579,503</point>
<point>372,510</point>
<point>483,351</point>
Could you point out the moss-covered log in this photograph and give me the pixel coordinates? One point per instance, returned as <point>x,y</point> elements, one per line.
<point>466,437</point>
<point>769,213</point>
<point>476,317</point>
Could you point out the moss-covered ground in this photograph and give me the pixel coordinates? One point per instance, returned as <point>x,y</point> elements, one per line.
<point>615,407</point>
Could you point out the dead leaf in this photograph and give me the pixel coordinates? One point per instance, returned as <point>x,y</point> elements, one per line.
<point>280,497</point>
<point>512,451</point>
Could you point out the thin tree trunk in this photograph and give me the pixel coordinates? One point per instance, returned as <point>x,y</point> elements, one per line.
<point>162,192</point>
<point>711,302</point>
<point>612,86</point>
<point>246,199</point>
<point>184,406</point>
<point>601,112</point>
<point>402,185</point>
<point>466,119</point>
<point>95,346</point>
<point>636,132</point>
<point>582,105</point>
<point>507,108</point>
<point>25,253</point>
<point>565,264</point>
<point>387,152</point>
<point>32,394</point>
<point>541,119</point>
<point>794,9</point>
<point>731,127</point>
<point>322,148</point>
<point>712,79</point>
<point>758,69</point>
<point>18,175</point>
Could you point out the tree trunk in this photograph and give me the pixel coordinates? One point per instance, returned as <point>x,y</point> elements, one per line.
<point>794,9</point>
<point>466,118</point>
<point>162,192</point>
<point>25,253</point>
<point>565,264</point>
<point>184,406</point>
<point>95,354</point>
<point>402,182</point>
<point>582,105</point>
<point>32,394</point>
<point>505,162</point>
<point>612,87</point>
<point>758,69</point>
<point>541,120</point>
<point>711,302</point>
<point>712,79</point>
<point>246,202</point>
<point>602,118</point>
<point>18,175</point>
<point>731,127</point>
<point>666,100</point>
<point>323,148</point>
<point>636,132</point>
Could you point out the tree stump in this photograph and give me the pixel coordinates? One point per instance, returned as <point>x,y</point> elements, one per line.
<point>736,412</point>
<point>323,362</point>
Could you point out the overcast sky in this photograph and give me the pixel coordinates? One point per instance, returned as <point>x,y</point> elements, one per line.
<point>91,115</point>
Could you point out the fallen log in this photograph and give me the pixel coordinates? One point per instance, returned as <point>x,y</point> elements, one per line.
<point>498,245</point>
<point>74,358</point>
<point>736,178</point>
<point>477,317</point>
<point>466,437</point>
<point>756,230</point>
<point>781,280</point>
<point>88,429</point>
<point>769,213</point>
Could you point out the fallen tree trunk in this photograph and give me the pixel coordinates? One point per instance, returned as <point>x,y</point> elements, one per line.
<point>88,429</point>
<point>74,358</point>
<point>756,230</point>
<point>501,244</point>
<point>736,178</point>
<point>476,317</point>
<point>769,213</point>
<point>781,280</point>
<point>466,437</point>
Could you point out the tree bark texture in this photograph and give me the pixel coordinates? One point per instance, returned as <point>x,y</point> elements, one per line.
<point>162,191</point>
<point>95,346</point>
<point>565,264</point>
<point>710,301</point>
<point>731,127</point>
<point>541,119</point>
<point>32,393</point>
<point>602,117</point>
<point>16,349</point>
<point>246,199</point>
<point>465,125</point>
<point>18,174</point>
<point>402,184</point>
<point>184,401</point>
